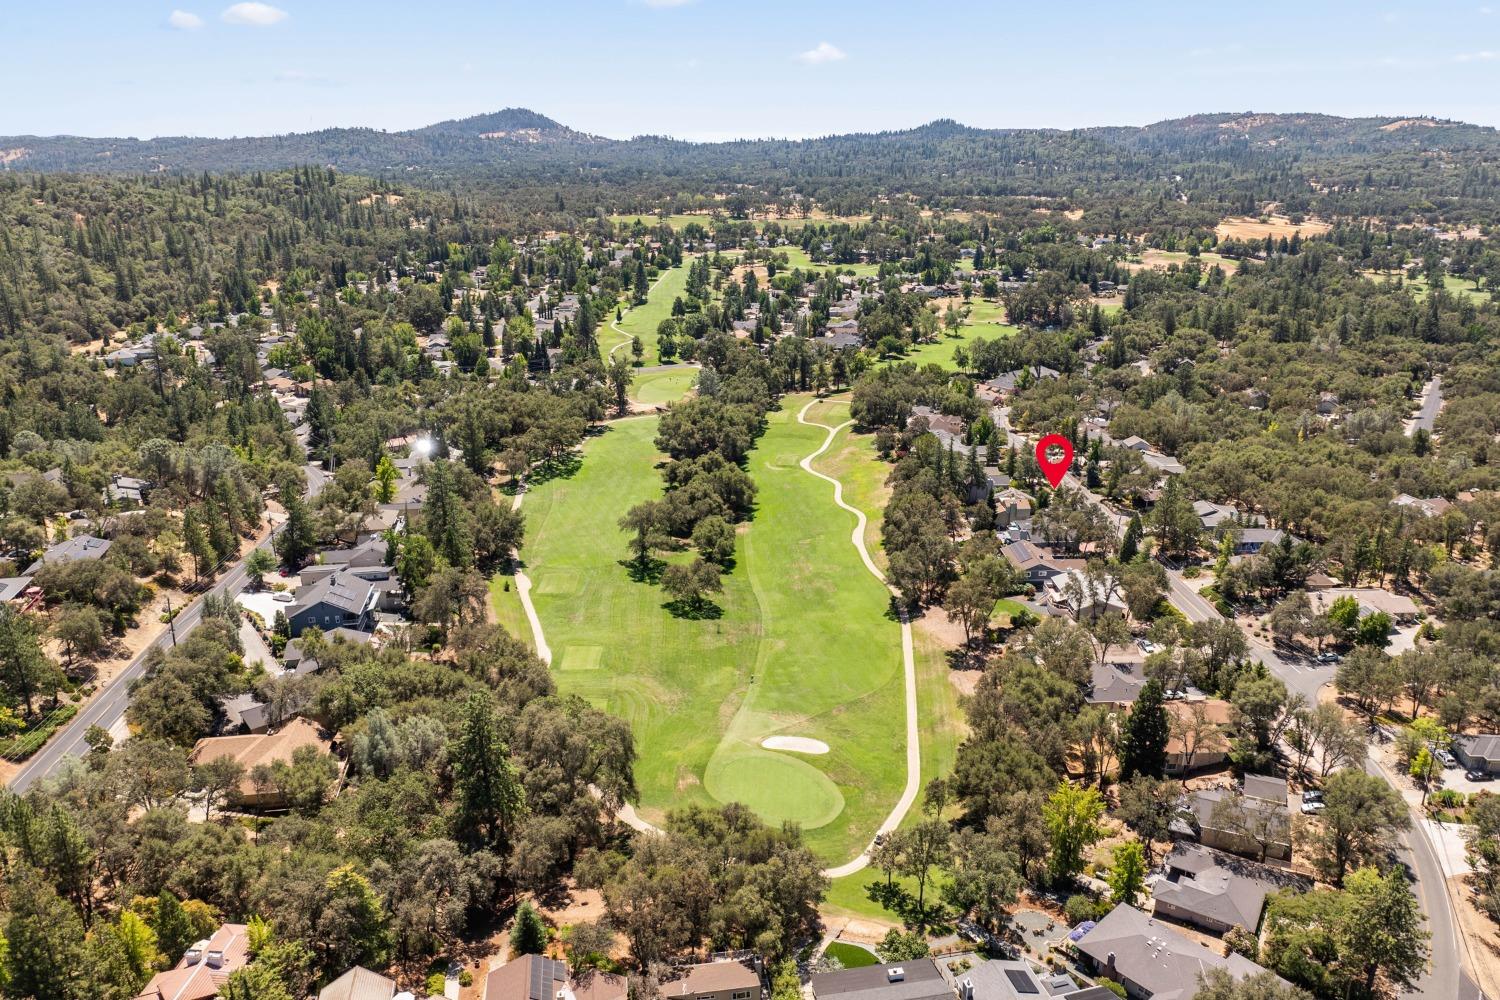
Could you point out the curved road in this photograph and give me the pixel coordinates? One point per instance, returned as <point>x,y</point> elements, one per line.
<point>627,813</point>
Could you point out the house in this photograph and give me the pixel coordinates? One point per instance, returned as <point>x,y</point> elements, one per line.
<point>529,977</point>
<point>728,980</point>
<point>370,552</point>
<point>18,592</point>
<point>1429,507</point>
<point>1249,541</point>
<point>947,428</point>
<point>72,550</point>
<point>919,979</point>
<point>1217,516</point>
<point>267,748</point>
<point>1006,383</point>
<point>1011,507</point>
<point>342,600</point>
<point>244,713</point>
<point>1213,891</point>
<point>1000,979</point>
<point>1263,800</point>
<point>1209,750</point>
<point>127,491</point>
<point>1037,563</point>
<point>1115,685</point>
<point>204,968</point>
<point>1478,751</point>
<point>1150,959</point>
<point>359,983</point>
<point>1072,591</point>
<point>1402,609</point>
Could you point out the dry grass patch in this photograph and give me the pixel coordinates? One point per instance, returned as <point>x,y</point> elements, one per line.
<point>1246,228</point>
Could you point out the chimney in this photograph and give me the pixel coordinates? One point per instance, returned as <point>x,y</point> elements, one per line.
<point>895,974</point>
<point>966,990</point>
<point>216,959</point>
<point>1109,966</point>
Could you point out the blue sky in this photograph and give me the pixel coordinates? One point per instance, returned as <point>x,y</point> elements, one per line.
<point>712,69</point>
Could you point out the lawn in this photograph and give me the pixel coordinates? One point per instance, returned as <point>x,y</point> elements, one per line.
<point>802,646</point>
<point>506,601</point>
<point>797,257</point>
<point>1456,286</point>
<point>642,320</point>
<point>664,386</point>
<point>851,956</point>
<point>852,460</point>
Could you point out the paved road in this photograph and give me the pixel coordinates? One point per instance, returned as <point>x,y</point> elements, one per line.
<point>107,708</point>
<point>1432,403</point>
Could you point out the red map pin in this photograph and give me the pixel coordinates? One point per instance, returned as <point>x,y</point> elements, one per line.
<point>1054,470</point>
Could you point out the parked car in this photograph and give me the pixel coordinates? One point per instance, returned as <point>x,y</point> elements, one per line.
<point>1312,808</point>
<point>1147,646</point>
<point>1313,795</point>
<point>1447,758</point>
<point>1328,658</point>
<point>283,596</point>
<point>1479,776</point>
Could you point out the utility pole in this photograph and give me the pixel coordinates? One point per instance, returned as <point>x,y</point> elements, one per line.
<point>171,620</point>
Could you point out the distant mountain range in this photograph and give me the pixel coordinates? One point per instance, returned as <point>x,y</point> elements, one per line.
<point>522,138</point>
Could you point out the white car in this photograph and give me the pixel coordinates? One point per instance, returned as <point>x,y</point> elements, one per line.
<point>283,596</point>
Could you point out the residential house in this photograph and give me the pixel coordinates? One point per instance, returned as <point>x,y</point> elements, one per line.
<point>1249,541</point>
<point>1261,799</point>
<point>1219,516</point>
<point>1190,748</point>
<point>1429,507</point>
<point>918,979</point>
<point>127,491</point>
<point>1478,751</point>
<point>359,983</point>
<point>253,750</point>
<point>947,429</point>
<point>244,713</point>
<point>342,600</point>
<point>204,968</point>
<point>1038,564</point>
<point>727,980</point>
<point>1073,592</point>
<point>18,592</point>
<point>72,550</point>
<point>1012,506</point>
<point>1000,979</point>
<point>529,977</point>
<point>1006,383</point>
<point>1213,891</point>
<point>1151,960</point>
<point>1115,685</point>
<point>1402,609</point>
<point>842,341</point>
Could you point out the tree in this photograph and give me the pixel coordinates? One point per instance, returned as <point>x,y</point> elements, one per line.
<point>1218,984</point>
<point>1072,817</point>
<point>690,583</point>
<point>644,521</point>
<point>620,374</point>
<point>528,935</point>
<point>924,847</point>
<point>26,673</point>
<point>45,938</point>
<point>254,982</point>
<point>1249,820</point>
<point>216,779</point>
<point>488,793</point>
<point>899,947</point>
<point>298,535</point>
<point>1145,735</point>
<point>984,877</point>
<point>258,564</point>
<point>1127,875</point>
<point>1108,631</point>
<point>1194,729</point>
<point>80,630</point>
<point>386,478</point>
<point>1361,814</point>
<point>971,603</point>
<point>1144,584</point>
<point>1174,522</point>
<point>1148,806</point>
<point>713,537</point>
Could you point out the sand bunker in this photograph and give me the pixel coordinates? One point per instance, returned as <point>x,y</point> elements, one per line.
<point>796,744</point>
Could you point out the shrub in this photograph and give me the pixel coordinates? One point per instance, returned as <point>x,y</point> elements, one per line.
<point>436,983</point>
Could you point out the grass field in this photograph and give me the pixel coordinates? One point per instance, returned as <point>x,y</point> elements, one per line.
<point>802,646</point>
<point>797,257</point>
<point>684,220</point>
<point>662,387</point>
<point>851,956</point>
<point>507,604</point>
<point>1456,286</point>
<point>643,320</point>
<point>852,460</point>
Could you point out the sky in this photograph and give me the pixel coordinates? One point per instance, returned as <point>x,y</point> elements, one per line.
<point>713,69</point>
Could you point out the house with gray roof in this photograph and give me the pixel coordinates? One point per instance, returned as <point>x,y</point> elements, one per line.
<point>342,600</point>
<point>919,979</point>
<point>1478,751</point>
<point>1213,891</point>
<point>71,550</point>
<point>1000,979</point>
<point>1152,960</point>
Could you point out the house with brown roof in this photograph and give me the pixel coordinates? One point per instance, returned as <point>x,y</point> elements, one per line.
<point>359,983</point>
<point>534,977</point>
<point>729,980</point>
<point>1038,564</point>
<point>1199,727</point>
<point>261,748</point>
<point>204,967</point>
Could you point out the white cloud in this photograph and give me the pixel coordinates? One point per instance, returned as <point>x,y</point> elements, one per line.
<point>184,21</point>
<point>1484,56</point>
<point>259,15</point>
<point>823,53</point>
<point>1486,11</point>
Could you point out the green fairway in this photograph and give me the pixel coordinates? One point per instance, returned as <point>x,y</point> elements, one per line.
<point>643,320</point>
<point>797,257</point>
<point>1455,286</point>
<point>802,648</point>
<point>507,604</point>
<point>664,386</point>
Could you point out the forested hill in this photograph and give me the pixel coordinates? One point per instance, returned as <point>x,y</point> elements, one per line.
<point>516,137</point>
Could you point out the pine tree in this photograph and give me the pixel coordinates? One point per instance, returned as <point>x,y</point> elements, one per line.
<point>488,792</point>
<point>1144,737</point>
<point>528,936</point>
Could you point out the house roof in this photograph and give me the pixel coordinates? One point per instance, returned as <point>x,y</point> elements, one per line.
<point>530,977</point>
<point>75,548</point>
<point>1486,745</point>
<point>711,977</point>
<point>1203,883</point>
<point>1265,787</point>
<point>359,983</point>
<point>342,590</point>
<point>1000,979</point>
<point>1371,599</point>
<point>261,748</point>
<point>1164,963</point>
<point>203,968</point>
<point>595,985</point>
<point>919,979</point>
<point>12,587</point>
<point>1215,710</point>
<point>1115,684</point>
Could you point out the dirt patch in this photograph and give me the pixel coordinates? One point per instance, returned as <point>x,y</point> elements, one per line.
<point>865,930</point>
<point>1408,123</point>
<point>389,199</point>
<point>1481,943</point>
<point>965,682</point>
<point>1246,228</point>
